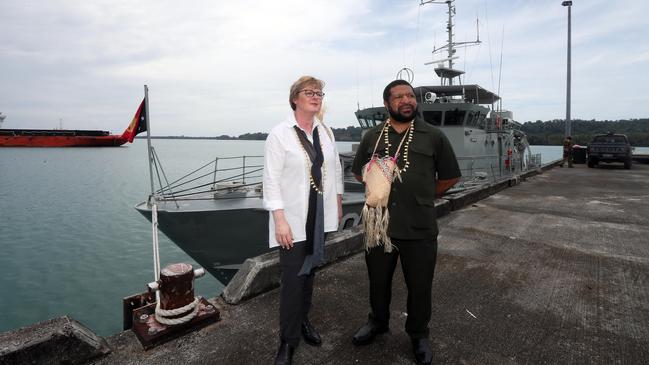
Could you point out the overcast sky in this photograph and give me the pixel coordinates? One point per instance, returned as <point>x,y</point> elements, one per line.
<point>225,67</point>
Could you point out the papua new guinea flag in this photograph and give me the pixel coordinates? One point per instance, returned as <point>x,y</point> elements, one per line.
<point>138,124</point>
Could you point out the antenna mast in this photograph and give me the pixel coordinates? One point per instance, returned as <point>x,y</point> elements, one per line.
<point>448,73</point>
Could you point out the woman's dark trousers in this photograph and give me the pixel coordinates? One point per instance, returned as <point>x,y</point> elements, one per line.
<point>295,293</point>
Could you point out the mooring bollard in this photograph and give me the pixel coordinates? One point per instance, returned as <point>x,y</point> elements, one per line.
<point>176,310</point>
<point>177,303</point>
<point>176,286</point>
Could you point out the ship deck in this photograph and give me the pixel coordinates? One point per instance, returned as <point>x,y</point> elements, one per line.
<point>553,270</point>
<point>207,203</point>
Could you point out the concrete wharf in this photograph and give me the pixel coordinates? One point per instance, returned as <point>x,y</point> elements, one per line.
<point>554,270</point>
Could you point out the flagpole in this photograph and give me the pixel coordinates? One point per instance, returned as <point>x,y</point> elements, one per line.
<point>148,135</point>
<point>152,200</point>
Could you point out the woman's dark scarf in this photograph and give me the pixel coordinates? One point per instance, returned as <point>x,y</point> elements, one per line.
<point>315,215</point>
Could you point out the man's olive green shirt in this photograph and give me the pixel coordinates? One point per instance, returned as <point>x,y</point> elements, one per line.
<point>412,200</point>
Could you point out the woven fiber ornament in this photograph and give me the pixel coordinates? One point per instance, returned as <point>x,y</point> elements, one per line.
<point>378,175</point>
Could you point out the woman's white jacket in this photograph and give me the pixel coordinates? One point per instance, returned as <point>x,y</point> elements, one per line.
<point>286,178</point>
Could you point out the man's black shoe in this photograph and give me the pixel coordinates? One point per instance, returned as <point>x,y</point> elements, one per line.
<point>284,354</point>
<point>311,336</point>
<point>365,335</point>
<point>421,349</point>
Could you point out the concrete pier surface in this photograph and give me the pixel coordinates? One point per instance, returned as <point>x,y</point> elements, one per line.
<point>552,271</point>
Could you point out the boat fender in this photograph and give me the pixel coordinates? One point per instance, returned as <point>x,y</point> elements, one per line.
<point>508,159</point>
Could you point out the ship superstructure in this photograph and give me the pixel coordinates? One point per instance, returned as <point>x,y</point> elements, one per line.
<point>487,140</point>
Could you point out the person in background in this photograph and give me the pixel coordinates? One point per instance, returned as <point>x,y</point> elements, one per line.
<point>567,152</point>
<point>302,188</point>
<point>427,167</point>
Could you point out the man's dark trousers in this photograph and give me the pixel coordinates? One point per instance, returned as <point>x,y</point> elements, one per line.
<point>418,264</point>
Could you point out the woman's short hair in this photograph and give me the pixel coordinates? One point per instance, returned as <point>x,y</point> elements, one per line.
<point>300,84</point>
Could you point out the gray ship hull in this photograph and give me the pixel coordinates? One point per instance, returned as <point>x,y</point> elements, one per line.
<point>220,234</point>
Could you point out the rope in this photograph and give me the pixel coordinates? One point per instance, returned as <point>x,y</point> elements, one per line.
<point>160,313</point>
<point>154,233</point>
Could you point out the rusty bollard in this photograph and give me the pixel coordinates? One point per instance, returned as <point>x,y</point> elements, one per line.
<point>176,286</point>
<point>176,310</point>
<point>177,303</point>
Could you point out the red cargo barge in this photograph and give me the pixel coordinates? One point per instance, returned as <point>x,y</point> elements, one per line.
<point>73,138</point>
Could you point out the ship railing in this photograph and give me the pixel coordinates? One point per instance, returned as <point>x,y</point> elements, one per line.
<point>483,172</point>
<point>469,182</point>
<point>493,170</point>
<point>534,160</point>
<point>221,177</point>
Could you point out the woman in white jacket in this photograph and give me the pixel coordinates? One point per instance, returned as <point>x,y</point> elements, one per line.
<point>303,191</point>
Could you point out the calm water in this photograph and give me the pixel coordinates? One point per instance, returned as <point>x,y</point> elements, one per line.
<point>71,241</point>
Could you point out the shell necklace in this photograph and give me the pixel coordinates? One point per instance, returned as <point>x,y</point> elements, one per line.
<point>314,186</point>
<point>408,137</point>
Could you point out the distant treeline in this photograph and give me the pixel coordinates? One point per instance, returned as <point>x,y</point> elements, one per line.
<point>552,132</point>
<point>341,134</point>
<point>549,132</point>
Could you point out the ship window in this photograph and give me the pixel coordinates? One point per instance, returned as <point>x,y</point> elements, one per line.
<point>472,119</point>
<point>379,118</point>
<point>454,117</point>
<point>481,121</point>
<point>433,117</point>
<point>362,122</point>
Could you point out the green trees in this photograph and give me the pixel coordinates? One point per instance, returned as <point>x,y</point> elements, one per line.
<point>347,134</point>
<point>549,132</point>
<point>552,132</point>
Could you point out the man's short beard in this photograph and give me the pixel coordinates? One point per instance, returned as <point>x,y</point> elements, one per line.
<point>400,118</point>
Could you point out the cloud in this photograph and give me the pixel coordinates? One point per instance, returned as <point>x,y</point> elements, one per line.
<point>225,67</point>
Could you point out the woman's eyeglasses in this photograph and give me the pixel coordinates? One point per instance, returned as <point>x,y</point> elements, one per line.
<point>311,93</point>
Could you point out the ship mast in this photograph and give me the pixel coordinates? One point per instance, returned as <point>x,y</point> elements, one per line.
<point>2,119</point>
<point>447,74</point>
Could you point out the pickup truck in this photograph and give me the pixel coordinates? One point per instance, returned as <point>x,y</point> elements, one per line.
<point>610,147</point>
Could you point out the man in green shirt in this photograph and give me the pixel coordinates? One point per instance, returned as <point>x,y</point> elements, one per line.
<point>428,168</point>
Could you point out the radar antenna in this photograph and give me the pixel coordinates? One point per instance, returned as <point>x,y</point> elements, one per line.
<point>448,73</point>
